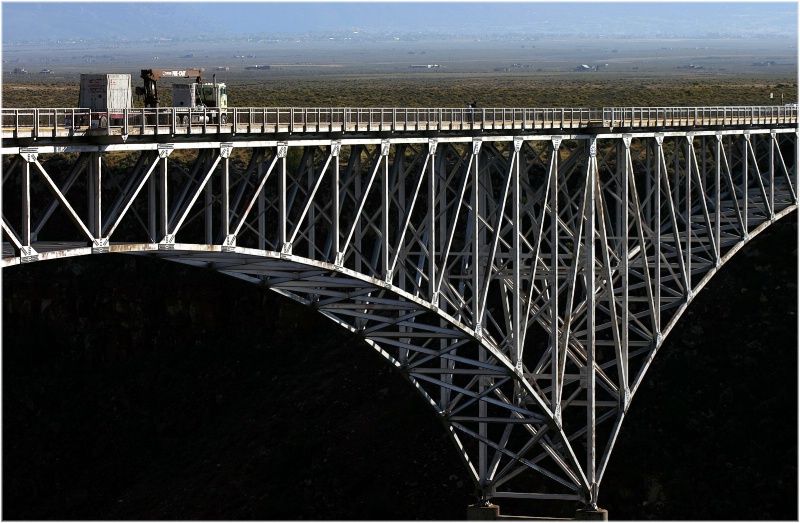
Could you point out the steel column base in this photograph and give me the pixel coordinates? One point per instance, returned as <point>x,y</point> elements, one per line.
<point>587,514</point>
<point>483,513</point>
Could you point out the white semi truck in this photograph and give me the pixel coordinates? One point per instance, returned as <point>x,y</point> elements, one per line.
<point>201,101</point>
<point>106,95</point>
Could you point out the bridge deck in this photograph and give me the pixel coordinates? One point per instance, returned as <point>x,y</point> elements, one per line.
<point>71,123</point>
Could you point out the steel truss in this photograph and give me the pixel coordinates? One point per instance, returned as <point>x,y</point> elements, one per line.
<point>522,284</point>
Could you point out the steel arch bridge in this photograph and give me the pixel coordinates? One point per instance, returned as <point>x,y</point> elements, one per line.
<point>521,276</point>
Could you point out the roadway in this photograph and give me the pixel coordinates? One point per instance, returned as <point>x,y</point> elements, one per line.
<point>121,125</point>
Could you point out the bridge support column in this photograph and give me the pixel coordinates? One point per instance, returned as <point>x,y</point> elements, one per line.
<point>491,512</point>
<point>591,514</point>
<point>483,512</point>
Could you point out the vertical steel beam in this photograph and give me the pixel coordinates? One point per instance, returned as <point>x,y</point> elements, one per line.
<point>282,153</point>
<point>772,141</point>
<point>659,160</point>
<point>796,181</point>
<point>384,264</point>
<point>225,192</point>
<point>745,184</point>
<point>516,295</point>
<point>688,209</point>
<point>336,210</point>
<point>588,218</point>
<point>336,149</point>
<point>95,194</point>
<point>477,321</point>
<point>626,196</point>
<point>26,239</point>
<point>558,358</point>
<point>432,186</point>
<point>718,198</point>
<point>161,205</point>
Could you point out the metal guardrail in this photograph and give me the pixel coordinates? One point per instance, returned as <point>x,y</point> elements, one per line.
<point>698,116</point>
<point>20,123</point>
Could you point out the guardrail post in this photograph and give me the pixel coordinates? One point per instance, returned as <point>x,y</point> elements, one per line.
<point>36,123</point>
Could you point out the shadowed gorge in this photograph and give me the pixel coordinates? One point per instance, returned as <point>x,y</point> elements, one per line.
<point>179,393</point>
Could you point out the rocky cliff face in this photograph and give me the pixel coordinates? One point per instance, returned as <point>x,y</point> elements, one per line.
<point>137,389</point>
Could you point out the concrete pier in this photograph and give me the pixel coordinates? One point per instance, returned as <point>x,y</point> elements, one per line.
<point>588,514</point>
<point>492,512</point>
<point>483,512</point>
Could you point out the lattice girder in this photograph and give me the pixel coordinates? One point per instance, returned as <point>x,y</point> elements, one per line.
<point>522,284</point>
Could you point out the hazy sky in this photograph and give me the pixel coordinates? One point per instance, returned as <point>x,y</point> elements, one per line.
<point>32,20</point>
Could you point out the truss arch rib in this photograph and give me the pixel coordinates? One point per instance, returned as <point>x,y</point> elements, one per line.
<point>522,283</point>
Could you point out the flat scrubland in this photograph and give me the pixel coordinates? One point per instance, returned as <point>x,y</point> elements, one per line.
<point>536,73</point>
<point>578,90</point>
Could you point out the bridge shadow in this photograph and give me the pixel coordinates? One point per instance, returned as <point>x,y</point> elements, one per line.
<point>139,389</point>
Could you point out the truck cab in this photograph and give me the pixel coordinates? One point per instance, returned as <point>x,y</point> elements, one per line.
<point>203,97</point>
<point>199,96</point>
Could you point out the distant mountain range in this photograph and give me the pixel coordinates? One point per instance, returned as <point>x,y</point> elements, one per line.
<point>142,21</point>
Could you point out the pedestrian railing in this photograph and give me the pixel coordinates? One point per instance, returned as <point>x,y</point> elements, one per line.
<point>37,123</point>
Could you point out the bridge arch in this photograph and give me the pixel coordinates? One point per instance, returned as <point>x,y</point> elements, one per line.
<point>523,283</point>
<point>637,457</point>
